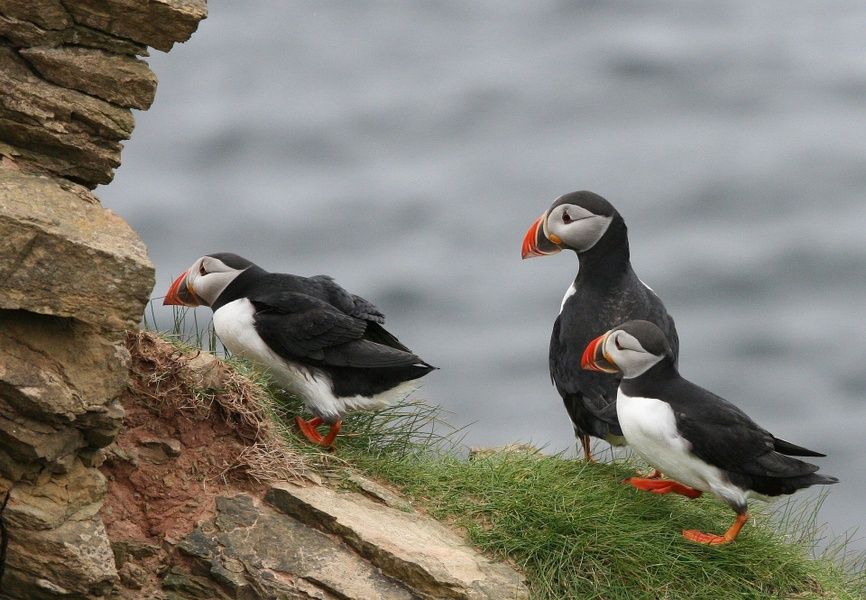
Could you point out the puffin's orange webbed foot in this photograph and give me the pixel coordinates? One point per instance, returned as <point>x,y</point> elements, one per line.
<point>663,486</point>
<point>711,539</point>
<point>308,428</point>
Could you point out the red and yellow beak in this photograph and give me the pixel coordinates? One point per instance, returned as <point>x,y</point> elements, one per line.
<point>180,293</point>
<point>536,242</point>
<point>594,357</point>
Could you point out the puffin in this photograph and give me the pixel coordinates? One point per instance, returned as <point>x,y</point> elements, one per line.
<point>317,340</point>
<point>605,293</point>
<point>698,439</point>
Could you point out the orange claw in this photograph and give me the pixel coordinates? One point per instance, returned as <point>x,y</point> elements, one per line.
<point>711,539</point>
<point>663,486</point>
<point>308,429</point>
<point>332,433</point>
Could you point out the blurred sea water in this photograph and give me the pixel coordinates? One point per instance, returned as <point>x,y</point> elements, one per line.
<point>404,148</point>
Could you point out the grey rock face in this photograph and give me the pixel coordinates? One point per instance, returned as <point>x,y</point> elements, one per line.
<point>258,552</point>
<point>432,560</point>
<point>315,542</point>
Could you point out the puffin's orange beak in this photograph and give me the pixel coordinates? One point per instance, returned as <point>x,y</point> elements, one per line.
<point>594,358</point>
<point>535,242</point>
<point>180,293</point>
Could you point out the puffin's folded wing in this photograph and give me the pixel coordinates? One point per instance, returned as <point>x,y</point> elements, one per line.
<point>367,354</point>
<point>723,435</point>
<point>719,432</point>
<point>300,326</point>
<point>346,302</point>
<point>773,464</point>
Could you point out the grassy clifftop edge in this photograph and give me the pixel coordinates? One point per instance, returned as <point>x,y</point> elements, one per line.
<point>574,529</point>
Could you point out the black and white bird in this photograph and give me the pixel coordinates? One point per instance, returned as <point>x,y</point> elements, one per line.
<point>605,293</point>
<point>695,437</point>
<point>316,339</point>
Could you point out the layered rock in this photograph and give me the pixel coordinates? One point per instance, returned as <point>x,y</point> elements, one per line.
<point>315,542</point>
<point>191,513</point>
<point>73,275</point>
<point>430,559</point>
<point>122,80</point>
<point>62,254</point>
<point>69,77</point>
<point>253,550</point>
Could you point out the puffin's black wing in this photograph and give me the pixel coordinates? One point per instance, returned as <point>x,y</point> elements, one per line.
<point>304,325</point>
<point>723,435</point>
<point>366,310</point>
<point>350,304</point>
<point>299,326</point>
<point>359,307</point>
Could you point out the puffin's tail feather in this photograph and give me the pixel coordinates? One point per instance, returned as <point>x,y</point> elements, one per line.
<point>776,486</point>
<point>792,484</point>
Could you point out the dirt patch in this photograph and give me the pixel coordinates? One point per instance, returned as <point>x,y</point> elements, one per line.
<point>194,429</point>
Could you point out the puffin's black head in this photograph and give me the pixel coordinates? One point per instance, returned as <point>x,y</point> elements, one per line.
<point>232,260</point>
<point>631,349</point>
<point>206,279</point>
<point>575,221</point>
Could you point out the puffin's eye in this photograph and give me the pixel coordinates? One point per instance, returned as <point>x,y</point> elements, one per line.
<point>618,345</point>
<point>566,218</point>
<point>201,269</point>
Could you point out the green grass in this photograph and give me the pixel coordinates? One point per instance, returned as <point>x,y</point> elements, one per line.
<point>575,529</point>
<point>578,532</point>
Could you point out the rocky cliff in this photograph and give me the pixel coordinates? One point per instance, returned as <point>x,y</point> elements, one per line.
<point>73,276</point>
<point>130,469</point>
<point>207,500</point>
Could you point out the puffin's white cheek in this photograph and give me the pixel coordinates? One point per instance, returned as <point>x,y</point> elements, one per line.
<point>585,233</point>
